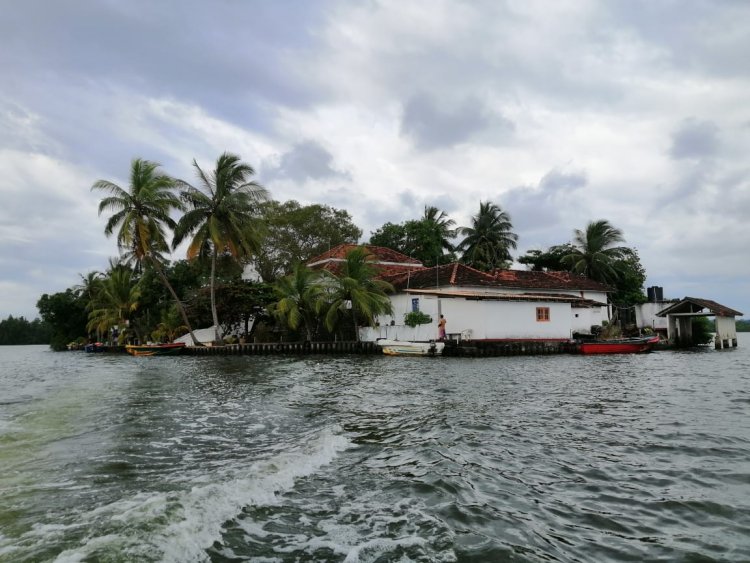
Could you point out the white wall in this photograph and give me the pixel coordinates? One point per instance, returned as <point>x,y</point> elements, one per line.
<point>645,315</point>
<point>506,319</point>
<point>477,319</point>
<point>584,318</point>
<point>726,328</point>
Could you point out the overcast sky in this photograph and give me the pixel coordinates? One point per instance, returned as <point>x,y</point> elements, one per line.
<point>561,112</point>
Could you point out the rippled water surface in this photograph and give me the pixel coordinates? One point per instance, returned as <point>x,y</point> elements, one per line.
<point>377,459</point>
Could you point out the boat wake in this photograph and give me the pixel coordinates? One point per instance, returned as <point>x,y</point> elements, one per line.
<point>180,526</point>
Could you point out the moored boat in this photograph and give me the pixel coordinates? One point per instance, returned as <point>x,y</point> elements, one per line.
<point>410,348</point>
<point>619,346</point>
<point>155,349</point>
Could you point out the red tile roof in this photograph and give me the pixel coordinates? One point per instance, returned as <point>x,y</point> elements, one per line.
<point>381,255</point>
<point>406,272</point>
<point>522,279</point>
<point>695,304</point>
<point>454,274</point>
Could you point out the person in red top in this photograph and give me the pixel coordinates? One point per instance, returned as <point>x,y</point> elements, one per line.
<point>441,327</point>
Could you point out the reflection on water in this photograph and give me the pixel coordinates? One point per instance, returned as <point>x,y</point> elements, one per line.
<point>375,459</point>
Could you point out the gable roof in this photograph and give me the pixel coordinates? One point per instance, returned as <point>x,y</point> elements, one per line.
<point>689,305</point>
<point>522,279</point>
<point>457,274</point>
<point>381,256</point>
<point>454,274</point>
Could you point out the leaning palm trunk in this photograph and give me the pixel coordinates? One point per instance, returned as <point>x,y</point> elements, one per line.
<point>356,329</point>
<point>214,314</point>
<point>180,308</point>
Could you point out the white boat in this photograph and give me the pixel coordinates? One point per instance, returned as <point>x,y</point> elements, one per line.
<point>410,348</point>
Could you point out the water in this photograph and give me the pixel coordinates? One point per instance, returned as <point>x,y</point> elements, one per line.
<point>375,459</point>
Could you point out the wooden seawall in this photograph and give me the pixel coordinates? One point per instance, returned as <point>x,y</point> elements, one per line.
<point>285,349</point>
<point>467,348</point>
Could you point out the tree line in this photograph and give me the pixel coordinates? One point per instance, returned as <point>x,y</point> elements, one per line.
<point>228,221</point>
<point>18,330</point>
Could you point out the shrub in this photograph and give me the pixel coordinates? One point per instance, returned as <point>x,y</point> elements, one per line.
<point>417,318</point>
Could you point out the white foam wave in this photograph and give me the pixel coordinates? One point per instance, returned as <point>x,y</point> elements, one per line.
<point>192,520</point>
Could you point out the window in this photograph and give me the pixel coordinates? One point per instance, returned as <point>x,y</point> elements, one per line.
<point>542,314</point>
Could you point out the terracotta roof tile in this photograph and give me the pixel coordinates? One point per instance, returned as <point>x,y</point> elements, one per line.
<point>547,280</point>
<point>689,304</point>
<point>380,254</point>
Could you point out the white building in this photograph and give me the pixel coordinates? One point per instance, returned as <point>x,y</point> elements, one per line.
<point>496,306</point>
<point>503,305</point>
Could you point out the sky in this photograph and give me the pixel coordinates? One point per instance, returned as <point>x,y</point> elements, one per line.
<point>561,112</point>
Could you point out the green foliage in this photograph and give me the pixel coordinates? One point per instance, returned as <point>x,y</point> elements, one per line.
<point>296,233</point>
<point>427,239</point>
<point>702,329</point>
<point>140,215</point>
<point>743,325</point>
<point>414,318</point>
<point>594,253</point>
<point>487,242</point>
<point>237,302</point>
<point>301,298</point>
<point>547,260</point>
<point>594,256</point>
<point>114,301</point>
<point>221,217</point>
<point>356,293</point>
<point>66,315</point>
<point>631,277</point>
<point>170,326</point>
<point>20,331</point>
<point>390,235</point>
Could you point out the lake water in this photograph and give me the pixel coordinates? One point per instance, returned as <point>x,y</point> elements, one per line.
<point>376,459</point>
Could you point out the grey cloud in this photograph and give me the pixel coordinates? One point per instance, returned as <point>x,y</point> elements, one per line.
<point>432,126</point>
<point>695,139</point>
<point>219,55</point>
<point>556,180</point>
<point>707,37</point>
<point>535,211</point>
<point>308,160</point>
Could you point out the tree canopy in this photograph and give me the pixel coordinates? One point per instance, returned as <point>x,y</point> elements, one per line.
<point>221,217</point>
<point>488,241</point>
<point>427,239</point>
<point>296,233</point>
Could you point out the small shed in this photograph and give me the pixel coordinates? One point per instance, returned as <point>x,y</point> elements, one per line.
<point>680,315</point>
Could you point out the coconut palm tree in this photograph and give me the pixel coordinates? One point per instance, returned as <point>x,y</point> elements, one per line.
<point>117,296</point>
<point>301,299</point>
<point>488,241</point>
<point>594,254</point>
<point>221,216</point>
<point>356,291</point>
<point>140,215</point>
<point>441,226</point>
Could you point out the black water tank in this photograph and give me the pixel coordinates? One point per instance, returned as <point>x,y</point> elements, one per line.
<point>655,293</point>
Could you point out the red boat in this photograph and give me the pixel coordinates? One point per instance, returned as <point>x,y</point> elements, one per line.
<point>619,346</point>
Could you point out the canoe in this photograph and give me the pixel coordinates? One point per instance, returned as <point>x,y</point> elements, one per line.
<point>155,349</point>
<point>410,348</point>
<point>619,346</point>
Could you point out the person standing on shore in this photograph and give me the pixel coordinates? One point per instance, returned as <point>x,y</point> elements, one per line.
<point>441,328</point>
